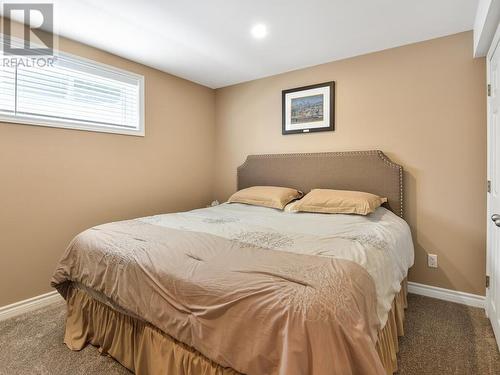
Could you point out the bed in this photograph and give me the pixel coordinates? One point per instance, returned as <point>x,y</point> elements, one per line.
<point>241,289</point>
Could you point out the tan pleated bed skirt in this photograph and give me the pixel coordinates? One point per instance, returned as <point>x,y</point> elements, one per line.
<point>146,350</point>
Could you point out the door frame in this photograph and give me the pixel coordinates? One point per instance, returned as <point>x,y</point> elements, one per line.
<point>496,327</point>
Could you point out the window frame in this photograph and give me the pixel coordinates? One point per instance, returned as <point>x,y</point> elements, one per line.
<point>82,125</point>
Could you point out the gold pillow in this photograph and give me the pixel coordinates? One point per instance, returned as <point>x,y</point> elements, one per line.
<point>267,196</point>
<point>339,202</point>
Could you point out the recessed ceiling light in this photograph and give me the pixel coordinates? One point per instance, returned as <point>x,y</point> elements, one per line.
<point>259,31</point>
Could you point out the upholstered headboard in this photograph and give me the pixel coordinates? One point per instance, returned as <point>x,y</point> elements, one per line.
<point>369,171</point>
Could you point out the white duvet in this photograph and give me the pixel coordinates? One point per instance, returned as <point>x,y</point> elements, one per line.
<point>380,242</point>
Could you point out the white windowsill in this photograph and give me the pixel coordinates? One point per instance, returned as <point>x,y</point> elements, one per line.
<point>69,125</point>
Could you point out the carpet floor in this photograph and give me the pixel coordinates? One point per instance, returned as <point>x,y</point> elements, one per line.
<point>441,338</point>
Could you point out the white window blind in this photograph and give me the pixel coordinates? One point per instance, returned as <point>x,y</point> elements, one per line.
<point>7,91</point>
<point>72,93</point>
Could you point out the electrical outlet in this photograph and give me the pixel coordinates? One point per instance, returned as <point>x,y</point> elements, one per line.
<point>432,260</point>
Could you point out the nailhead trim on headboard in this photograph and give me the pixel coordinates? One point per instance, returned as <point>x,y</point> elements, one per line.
<point>378,153</point>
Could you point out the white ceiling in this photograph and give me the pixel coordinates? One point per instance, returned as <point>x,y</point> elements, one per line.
<point>209,41</point>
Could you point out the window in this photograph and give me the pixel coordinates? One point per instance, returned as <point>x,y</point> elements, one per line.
<point>71,93</point>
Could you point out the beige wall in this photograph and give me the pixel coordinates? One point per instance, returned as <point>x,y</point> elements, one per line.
<point>424,105</point>
<point>55,183</point>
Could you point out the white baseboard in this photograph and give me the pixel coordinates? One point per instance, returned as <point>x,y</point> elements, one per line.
<point>447,294</point>
<point>30,304</point>
<point>468,299</point>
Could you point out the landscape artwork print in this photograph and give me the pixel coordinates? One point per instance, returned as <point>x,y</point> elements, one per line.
<point>308,109</point>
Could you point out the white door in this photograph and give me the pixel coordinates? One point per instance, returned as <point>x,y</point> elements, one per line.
<point>493,245</point>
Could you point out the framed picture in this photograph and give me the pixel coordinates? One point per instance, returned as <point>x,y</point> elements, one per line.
<point>309,109</point>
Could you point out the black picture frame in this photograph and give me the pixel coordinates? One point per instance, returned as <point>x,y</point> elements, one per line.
<point>331,124</point>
